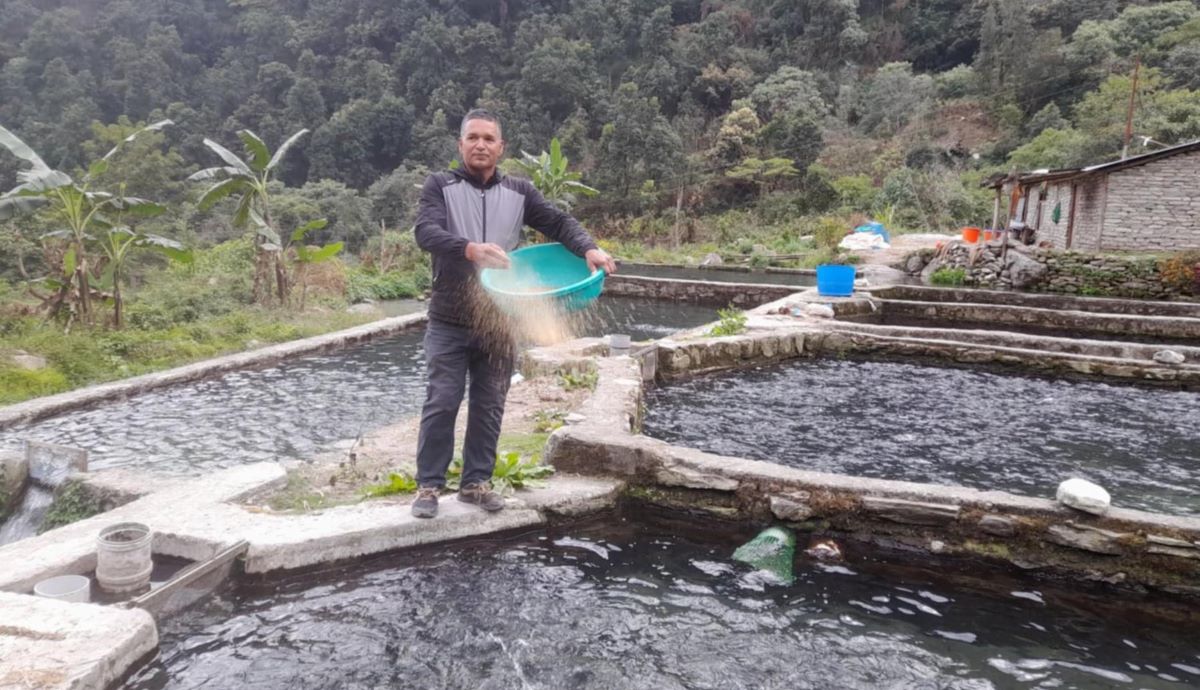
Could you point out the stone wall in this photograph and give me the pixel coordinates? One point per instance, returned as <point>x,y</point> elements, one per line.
<point>1089,214</point>
<point>1155,206</point>
<point>741,295</point>
<point>1049,231</point>
<point>1049,270</point>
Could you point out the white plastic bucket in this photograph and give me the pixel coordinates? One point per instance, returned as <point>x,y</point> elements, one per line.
<point>123,562</point>
<point>65,588</point>
<point>618,344</point>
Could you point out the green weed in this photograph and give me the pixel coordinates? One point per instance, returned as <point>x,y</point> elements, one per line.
<point>397,483</point>
<point>948,276</point>
<point>571,380</point>
<point>732,322</point>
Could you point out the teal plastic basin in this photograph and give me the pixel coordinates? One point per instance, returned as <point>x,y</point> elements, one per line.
<point>544,272</point>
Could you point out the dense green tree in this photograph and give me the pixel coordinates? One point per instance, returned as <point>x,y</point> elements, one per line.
<point>893,96</point>
<point>639,144</point>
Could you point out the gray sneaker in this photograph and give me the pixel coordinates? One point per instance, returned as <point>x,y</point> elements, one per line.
<point>481,494</point>
<point>425,504</point>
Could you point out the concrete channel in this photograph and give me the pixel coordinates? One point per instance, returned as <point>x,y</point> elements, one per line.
<point>214,524</point>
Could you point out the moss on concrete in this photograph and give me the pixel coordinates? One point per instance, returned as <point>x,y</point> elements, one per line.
<point>523,444</point>
<point>73,502</point>
<point>299,495</point>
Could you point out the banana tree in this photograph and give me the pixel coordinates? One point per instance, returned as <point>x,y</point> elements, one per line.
<point>117,243</point>
<point>81,208</point>
<point>307,256</point>
<point>248,180</point>
<point>548,172</point>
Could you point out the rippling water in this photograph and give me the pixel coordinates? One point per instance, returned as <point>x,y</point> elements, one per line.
<point>284,411</point>
<point>628,606</point>
<point>945,425</point>
<point>293,409</point>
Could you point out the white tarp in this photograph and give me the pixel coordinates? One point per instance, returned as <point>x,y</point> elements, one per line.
<point>859,241</point>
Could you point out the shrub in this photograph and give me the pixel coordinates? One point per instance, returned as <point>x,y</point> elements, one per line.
<point>829,232</point>
<point>948,276</point>
<point>1181,272</point>
<point>363,285</point>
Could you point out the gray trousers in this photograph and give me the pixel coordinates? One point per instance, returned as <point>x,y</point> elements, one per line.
<point>452,355</point>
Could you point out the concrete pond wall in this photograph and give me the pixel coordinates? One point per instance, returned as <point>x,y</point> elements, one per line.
<point>1128,549</point>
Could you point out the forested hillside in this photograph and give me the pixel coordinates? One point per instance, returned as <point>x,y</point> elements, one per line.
<point>759,129</point>
<point>899,103</point>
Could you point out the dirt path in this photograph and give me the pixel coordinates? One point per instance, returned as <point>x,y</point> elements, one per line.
<point>901,246</point>
<point>339,477</point>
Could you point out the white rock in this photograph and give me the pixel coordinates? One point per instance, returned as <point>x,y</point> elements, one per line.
<point>1081,494</point>
<point>1168,357</point>
<point>24,360</point>
<point>516,378</point>
<point>823,311</point>
<point>712,259</point>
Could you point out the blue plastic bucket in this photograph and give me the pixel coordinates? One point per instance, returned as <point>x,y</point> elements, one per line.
<point>835,280</point>
<point>544,272</point>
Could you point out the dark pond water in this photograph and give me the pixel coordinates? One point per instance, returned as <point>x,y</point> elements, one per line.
<point>625,605</point>
<point>284,411</point>
<point>758,277</point>
<point>296,408</point>
<point>970,427</point>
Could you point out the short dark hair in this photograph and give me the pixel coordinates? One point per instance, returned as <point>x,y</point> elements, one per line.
<point>479,114</point>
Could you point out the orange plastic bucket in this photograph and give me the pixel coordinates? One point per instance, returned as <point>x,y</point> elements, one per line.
<point>988,235</point>
<point>970,235</point>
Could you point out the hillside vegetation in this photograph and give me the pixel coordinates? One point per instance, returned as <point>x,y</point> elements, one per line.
<point>760,128</point>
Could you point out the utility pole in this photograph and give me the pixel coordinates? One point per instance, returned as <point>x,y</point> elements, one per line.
<point>1137,63</point>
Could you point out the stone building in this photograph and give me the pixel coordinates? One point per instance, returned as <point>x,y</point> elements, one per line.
<point>1149,202</point>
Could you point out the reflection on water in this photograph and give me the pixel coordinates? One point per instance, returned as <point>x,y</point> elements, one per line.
<point>944,425</point>
<point>633,606</point>
<point>293,409</point>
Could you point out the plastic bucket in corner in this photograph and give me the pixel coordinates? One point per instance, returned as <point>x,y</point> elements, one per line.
<point>970,235</point>
<point>834,280</point>
<point>65,588</point>
<point>123,557</point>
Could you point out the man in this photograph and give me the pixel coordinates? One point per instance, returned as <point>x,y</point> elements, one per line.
<point>469,219</point>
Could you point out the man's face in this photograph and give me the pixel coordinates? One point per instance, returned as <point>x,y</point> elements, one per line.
<point>481,146</point>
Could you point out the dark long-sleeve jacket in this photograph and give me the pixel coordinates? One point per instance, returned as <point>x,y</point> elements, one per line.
<point>455,209</point>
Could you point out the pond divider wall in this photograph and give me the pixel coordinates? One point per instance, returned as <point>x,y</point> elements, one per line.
<point>1127,548</point>
<point>718,295</point>
<point>1039,300</point>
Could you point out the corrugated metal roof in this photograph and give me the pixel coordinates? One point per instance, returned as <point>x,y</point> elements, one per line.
<point>1110,166</point>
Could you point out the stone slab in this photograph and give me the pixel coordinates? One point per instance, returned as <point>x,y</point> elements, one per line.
<point>177,514</point>
<point>282,542</point>
<point>49,644</point>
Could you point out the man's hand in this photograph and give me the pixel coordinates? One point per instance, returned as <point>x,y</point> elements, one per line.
<point>598,258</point>
<point>487,255</point>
